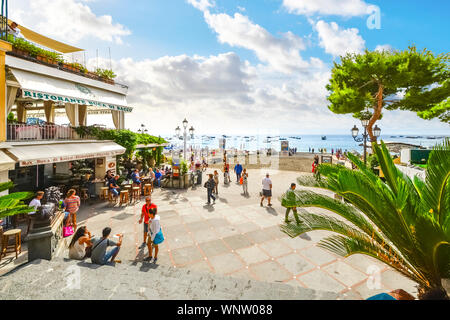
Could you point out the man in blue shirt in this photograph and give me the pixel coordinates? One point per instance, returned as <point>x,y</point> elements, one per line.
<point>238,170</point>
<point>158,176</point>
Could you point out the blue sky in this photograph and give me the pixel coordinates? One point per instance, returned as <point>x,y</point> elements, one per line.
<point>231,65</point>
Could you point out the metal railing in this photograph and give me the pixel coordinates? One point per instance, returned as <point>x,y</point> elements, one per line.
<point>26,132</point>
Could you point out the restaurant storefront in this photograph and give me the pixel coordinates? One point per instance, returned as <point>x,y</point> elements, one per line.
<point>65,164</point>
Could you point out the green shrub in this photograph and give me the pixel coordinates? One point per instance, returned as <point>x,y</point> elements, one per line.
<point>105,73</point>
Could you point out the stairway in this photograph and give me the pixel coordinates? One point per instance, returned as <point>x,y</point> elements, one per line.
<point>42,279</point>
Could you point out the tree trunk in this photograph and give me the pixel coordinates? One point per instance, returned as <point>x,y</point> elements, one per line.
<point>377,112</point>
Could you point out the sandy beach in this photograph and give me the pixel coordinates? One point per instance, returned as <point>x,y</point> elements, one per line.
<point>300,162</point>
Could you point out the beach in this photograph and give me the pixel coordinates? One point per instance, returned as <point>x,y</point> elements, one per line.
<point>300,162</point>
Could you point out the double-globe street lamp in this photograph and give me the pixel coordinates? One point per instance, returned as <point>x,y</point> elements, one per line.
<point>142,129</point>
<point>191,132</point>
<point>365,136</point>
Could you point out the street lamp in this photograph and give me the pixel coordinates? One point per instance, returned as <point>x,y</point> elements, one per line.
<point>191,132</point>
<point>376,132</point>
<point>142,129</point>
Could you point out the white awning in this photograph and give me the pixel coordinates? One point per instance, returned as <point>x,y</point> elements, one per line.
<point>31,155</point>
<point>40,87</point>
<point>6,163</point>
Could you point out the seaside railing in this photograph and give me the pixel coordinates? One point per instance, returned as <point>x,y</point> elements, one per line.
<point>27,132</point>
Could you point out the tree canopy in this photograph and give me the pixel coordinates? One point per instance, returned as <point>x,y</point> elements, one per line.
<point>413,80</point>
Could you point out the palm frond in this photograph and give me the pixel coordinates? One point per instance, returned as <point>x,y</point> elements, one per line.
<point>6,186</point>
<point>17,196</point>
<point>346,246</point>
<point>436,191</point>
<point>305,198</point>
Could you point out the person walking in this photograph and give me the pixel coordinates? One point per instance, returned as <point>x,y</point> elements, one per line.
<point>216,181</point>
<point>238,171</point>
<point>72,205</point>
<point>100,245</point>
<point>80,244</point>
<point>145,215</point>
<point>156,236</point>
<point>209,185</point>
<point>245,182</point>
<point>267,190</point>
<point>226,173</point>
<point>290,194</point>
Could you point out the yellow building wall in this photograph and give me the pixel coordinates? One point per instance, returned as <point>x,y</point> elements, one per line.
<point>4,47</point>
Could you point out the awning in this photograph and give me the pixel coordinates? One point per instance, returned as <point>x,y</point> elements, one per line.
<point>45,41</point>
<point>151,145</point>
<point>40,87</point>
<point>31,155</point>
<point>6,163</point>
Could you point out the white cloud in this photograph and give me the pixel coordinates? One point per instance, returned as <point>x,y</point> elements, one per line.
<point>383,47</point>
<point>337,41</point>
<point>67,20</point>
<point>345,8</point>
<point>282,53</point>
<point>201,5</point>
<point>170,80</point>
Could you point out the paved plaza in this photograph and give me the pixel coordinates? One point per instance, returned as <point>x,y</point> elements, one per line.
<point>236,237</point>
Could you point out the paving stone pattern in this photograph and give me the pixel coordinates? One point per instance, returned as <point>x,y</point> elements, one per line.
<point>238,238</point>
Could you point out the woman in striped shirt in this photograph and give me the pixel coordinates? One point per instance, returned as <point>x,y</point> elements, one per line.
<point>72,204</point>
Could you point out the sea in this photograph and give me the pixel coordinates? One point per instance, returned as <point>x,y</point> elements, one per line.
<point>303,143</point>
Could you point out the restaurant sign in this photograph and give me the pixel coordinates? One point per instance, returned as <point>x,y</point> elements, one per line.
<point>58,98</point>
<point>46,160</point>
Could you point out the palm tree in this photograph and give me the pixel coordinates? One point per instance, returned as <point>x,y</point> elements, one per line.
<point>402,222</point>
<point>12,204</point>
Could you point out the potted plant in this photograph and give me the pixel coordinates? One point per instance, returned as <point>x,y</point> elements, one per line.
<point>78,67</point>
<point>107,75</point>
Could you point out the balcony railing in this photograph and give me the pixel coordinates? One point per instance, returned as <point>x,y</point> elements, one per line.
<point>26,132</point>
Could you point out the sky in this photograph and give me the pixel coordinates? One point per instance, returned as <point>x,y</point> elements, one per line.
<point>238,66</point>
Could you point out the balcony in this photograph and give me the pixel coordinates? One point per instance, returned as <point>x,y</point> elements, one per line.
<point>43,132</point>
<point>27,50</point>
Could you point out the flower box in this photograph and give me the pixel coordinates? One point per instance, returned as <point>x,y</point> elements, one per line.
<point>20,52</point>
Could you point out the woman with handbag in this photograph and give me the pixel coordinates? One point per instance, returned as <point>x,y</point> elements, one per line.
<point>155,237</point>
<point>79,247</point>
<point>72,204</point>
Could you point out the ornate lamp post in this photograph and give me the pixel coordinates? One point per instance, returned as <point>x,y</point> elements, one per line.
<point>365,135</point>
<point>191,132</point>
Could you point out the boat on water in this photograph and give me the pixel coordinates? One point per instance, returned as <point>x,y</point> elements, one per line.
<point>298,138</point>
<point>283,139</point>
<point>324,138</point>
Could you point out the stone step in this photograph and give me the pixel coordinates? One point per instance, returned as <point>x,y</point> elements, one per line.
<point>43,279</point>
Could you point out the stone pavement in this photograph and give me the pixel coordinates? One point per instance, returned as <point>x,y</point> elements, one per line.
<point>238,238</point>
<point>64,279</point>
